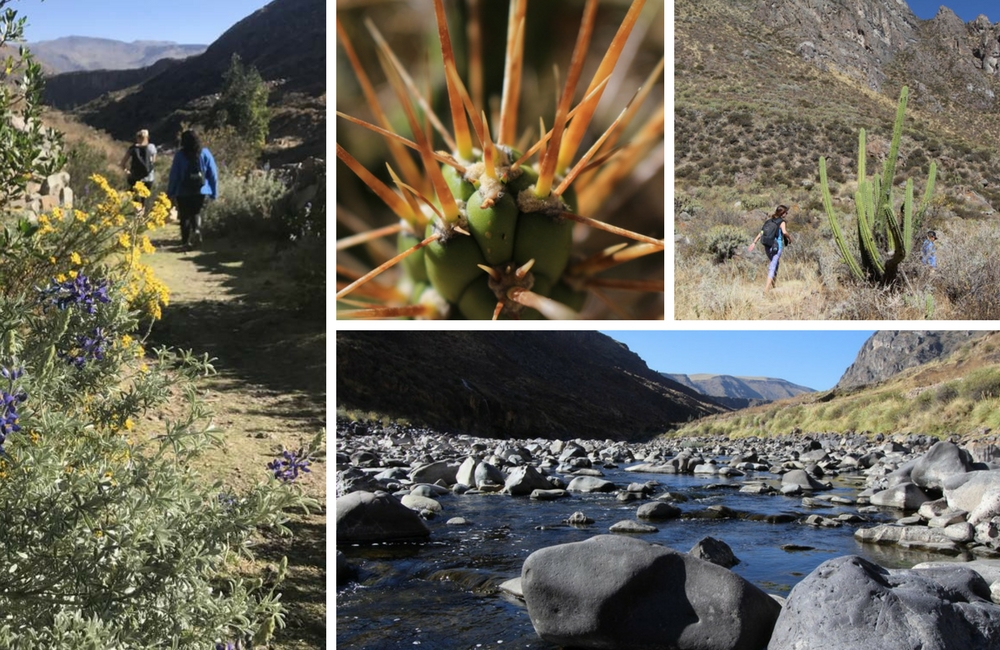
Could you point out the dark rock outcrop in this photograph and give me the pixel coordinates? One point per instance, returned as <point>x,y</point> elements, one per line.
<point>889,352</point>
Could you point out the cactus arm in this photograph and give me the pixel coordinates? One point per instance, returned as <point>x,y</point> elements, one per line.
<point>889,170</point>
<point>838,235</point>
<point>925,203</point>
<point>908,217</point>
<point>865,199</point>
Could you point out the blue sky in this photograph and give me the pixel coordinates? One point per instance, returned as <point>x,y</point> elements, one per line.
<point>182,21</point>
<point>966,9</point>
<point>815,358</point>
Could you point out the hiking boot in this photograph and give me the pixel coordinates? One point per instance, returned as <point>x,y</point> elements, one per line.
<point>196,238</point>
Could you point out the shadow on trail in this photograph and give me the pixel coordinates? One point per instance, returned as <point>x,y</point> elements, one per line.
<point>244,320</point>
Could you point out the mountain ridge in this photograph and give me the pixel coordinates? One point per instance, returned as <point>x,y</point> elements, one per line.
<point>86,53</point>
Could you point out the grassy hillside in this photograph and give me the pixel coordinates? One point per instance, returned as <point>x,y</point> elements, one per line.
<point>752,118</point>
<point>957,395</point>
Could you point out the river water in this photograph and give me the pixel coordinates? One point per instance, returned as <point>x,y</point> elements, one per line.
<point>442,594</point>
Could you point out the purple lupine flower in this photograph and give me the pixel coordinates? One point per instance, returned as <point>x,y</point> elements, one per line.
<point>10,397</point>
<point>81,290</point>
<point>87,348</point>
<point>287,466</point>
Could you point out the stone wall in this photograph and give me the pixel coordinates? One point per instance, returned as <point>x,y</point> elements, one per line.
<point>40,197</point>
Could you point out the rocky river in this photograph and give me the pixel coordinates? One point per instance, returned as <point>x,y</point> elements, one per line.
<point>463,542</point>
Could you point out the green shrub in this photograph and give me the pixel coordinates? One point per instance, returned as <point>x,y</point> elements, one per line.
<point>244,206</point>
<point>723,242</point>
<point>981,384</point>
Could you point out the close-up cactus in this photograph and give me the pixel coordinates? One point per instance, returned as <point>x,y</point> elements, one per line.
<point>876,218</point>
<point>556,215</point>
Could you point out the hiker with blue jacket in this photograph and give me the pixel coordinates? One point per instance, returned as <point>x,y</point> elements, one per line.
<point>193,178</point>
<point>774,237</point>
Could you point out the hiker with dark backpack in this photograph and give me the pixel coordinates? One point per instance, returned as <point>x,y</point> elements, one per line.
<point>139,160</point>
<point>193,178</point>
<point>774,237</point>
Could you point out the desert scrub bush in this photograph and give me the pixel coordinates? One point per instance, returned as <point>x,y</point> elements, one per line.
<point>245,206</point>
<point>482,231</point>
<point>64,247</point>
<point>114,540</point>
<point>723,242</point>
<point>980,385</point>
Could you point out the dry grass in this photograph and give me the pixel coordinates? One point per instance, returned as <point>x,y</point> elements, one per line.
<point>958,395</point>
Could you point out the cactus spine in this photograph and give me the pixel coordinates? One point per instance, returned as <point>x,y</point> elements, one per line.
<point>876,218</point>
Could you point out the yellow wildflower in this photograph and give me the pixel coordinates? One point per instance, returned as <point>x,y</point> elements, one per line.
<point>61,277</point>
<point>141,191</point>
<point>52,259</point>
<point>124,241</point>
<point>129,424</point>
<point>57,213</point>
<point>126,340</point>
<point>75,258</point>
<point>43,219</point>
<point>147,246</point>
<point>80,216</point>
<point>72,274</point>
<point>143,368</point>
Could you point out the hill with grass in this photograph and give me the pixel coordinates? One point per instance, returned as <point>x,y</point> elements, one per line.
<point>509,384</point>
<point>954,394</point>
<point>763,90</point>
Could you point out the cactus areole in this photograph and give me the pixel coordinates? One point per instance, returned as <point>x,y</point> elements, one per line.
<point>486,231</point>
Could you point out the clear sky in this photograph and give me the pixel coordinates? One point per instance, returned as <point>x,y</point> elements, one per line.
<point>965,9</point>
<point>815,358</point>
<point>197,22</point>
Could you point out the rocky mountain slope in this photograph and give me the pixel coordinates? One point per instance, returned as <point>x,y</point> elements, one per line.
<point>74,53</point>
<point>889,352</point>
<point>775,85</point>
<point>508,384</point>
<point>739,392</point>
<point>285,41</point>
<point>954,391</point>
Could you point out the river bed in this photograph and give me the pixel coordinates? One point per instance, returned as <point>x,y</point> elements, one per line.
<point>443,593</point>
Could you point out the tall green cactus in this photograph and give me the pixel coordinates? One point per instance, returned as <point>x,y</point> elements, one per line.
<point>876,218</point>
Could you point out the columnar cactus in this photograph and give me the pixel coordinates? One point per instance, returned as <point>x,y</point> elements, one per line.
<point>875,214</point>
<point>484,232</point>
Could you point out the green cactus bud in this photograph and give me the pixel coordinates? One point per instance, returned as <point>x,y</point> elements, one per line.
<point>453,264</point>
<point>478,301</point>
<point>460,188</point>
<point>414,264</point>
<point>523,181</point>
<point>547,240</point>
<point>493,227</point>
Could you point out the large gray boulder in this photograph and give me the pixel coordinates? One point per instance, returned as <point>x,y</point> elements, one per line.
<point>441,470</point>
<point>848,602</point>
<point>376,517</point>
<point>524,480</point>
<point>976,492</point>
<point>905,496</point>
<point>802,479</point>
<point>590,484</point>
<point>620,592</point>
<point>943,460</point>
<point>487,475</point>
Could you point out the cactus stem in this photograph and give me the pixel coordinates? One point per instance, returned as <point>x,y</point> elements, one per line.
<point>513,66</point>
<point>378,270</point>
<point>385,50</point>
<point>474,36</point>
<point>395,202</point>
<point>365,237</point>
<point>625,285</point>
<point>578,128</point>
<point>604,260</point>
<point>547,169</point>
<point>449,208</point>
<point>607,227</point>
<point>463,138</point>
<point>440,156</point>
<point>581,164</point>
<point>403,160</point>
<point>551,309</point>
<point>407,311</point>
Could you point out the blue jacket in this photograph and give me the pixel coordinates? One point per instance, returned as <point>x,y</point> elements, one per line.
<point>179,169</point>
